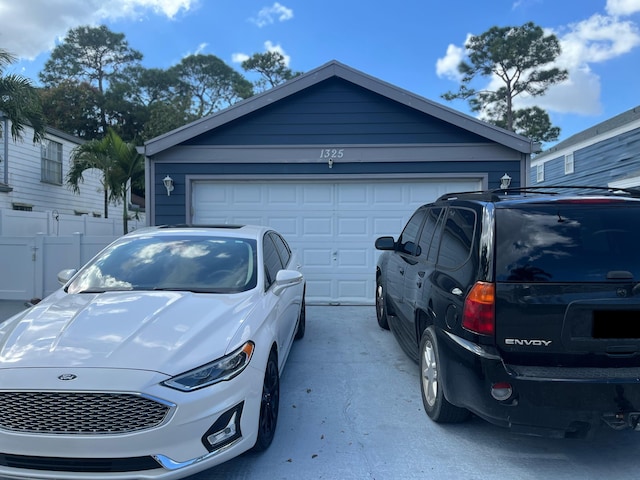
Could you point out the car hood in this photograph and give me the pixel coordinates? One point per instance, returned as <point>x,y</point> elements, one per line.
<point>166,332</point>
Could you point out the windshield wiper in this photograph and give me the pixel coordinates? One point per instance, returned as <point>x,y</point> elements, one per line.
<point>189,289</point>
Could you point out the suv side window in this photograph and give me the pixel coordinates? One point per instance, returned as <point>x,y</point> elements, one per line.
<point>457,237</point>
<point>409,236</point>
<point>430,237</point>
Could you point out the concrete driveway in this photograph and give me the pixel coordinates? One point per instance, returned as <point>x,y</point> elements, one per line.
<point>351,409</point>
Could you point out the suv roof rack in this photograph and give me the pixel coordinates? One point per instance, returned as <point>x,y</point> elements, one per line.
<point>500,194</point>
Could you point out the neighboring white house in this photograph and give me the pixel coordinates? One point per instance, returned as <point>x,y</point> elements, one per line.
<point>44,225</point>
<point>33,176</point>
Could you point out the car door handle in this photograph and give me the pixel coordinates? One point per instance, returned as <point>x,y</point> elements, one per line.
<point>456,291</point>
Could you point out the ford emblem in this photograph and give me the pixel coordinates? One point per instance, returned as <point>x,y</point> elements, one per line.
<point>67,376</point>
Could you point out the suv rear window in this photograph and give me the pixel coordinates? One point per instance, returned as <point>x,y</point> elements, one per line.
<point>567,242</point>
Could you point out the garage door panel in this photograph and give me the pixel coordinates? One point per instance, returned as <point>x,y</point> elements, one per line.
<point>353,257</point>
<point>319,227</point>
<point>317,258</point>
<point>353,226</point>
<point>287,226</point>
<point>317,195</point>
<point>318,288</point>
<point>333,225</point>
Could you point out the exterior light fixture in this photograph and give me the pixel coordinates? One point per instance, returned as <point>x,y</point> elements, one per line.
<point>168,184</point>
<point>330,162</point>
<point>505,181</point>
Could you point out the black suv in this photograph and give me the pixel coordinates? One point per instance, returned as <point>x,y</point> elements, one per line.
<point>521,306</point>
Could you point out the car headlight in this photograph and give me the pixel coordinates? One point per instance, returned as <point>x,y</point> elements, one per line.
<point>224,368</point>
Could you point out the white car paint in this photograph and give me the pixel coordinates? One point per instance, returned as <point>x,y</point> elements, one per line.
<point>130,342</point>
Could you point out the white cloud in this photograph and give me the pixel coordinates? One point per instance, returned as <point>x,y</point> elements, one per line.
<point>269,46</point>
<point>49,20</point>
<point>447,66</point>
<point>239,57</point>
<point>584,44</point>
<point>622,7</point>
<point>269,15</point>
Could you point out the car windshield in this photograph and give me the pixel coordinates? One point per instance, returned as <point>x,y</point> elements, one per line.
<point>567,242</point>
<point>177,262</point>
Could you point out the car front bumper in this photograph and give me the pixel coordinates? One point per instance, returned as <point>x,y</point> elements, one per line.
<point>555,402</point>
<point>174,449</point>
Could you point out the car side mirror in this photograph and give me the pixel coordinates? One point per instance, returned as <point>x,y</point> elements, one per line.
<point>385,243</point>
<point>286,279</point>
<point>65,275</point>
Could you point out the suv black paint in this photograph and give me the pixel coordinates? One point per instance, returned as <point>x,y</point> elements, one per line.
<point>520,306</point>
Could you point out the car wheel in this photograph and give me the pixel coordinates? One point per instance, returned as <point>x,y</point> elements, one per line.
<point>435,404</point>
<point>302,320</point>
<point>268,405</point>
<point>381,306</point>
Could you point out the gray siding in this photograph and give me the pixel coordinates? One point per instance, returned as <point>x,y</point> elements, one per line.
<point>597,164</point>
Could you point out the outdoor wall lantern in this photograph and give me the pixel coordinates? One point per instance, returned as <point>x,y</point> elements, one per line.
<point>330,162</point>
<point>505,181</point>
<point>168,184</point>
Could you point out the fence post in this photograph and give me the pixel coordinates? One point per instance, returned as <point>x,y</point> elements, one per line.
<point>77,248</point>
<point>38,257</point>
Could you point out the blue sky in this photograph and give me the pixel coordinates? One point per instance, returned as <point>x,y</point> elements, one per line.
<point>413,44</point>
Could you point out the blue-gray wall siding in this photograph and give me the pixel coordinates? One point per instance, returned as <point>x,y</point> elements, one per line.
<point>597,164</point>
<point>336,112</point>
<point>171,209</point>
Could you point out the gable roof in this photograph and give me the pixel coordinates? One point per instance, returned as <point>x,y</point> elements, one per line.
<point>339,70</point>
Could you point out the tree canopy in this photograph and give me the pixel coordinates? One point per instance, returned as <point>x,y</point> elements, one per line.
<point>272,68</point>
<point>19,102</point>
<point>521,58</point>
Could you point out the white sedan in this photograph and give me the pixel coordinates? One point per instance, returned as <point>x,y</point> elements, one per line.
<point>160,358</point>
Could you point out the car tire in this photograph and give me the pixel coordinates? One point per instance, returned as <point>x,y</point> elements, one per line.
<point>435,404</point>
<point>381,306</point>
<point>302,320</point>
<point>269,404</point>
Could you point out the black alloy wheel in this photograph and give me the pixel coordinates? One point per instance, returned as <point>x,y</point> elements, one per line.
<point>269,405</point>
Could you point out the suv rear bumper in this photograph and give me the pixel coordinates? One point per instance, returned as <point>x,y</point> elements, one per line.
<point>555,402</point>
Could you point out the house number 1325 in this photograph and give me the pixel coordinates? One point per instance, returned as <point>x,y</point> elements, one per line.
<point>331,153</point>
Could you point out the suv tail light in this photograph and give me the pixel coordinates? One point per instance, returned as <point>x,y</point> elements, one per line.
<point>478,315</point>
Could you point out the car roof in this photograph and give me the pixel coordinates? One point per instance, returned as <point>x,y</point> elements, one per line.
<point>232,231</point>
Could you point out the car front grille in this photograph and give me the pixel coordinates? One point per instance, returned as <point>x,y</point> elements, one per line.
<point>80,413</point>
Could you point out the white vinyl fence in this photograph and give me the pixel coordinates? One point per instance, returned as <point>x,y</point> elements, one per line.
<point>30,265</point>
<point>35,246</point>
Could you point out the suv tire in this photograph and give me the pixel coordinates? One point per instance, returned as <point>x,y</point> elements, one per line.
<point>435,404</point>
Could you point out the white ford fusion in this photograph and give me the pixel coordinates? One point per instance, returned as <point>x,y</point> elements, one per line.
<point>160,358</point>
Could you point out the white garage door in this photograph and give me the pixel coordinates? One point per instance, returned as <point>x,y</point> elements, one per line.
<point>333,226</point>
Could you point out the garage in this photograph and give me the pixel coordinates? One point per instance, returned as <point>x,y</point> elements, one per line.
<point>332,159</point>
<point>331,224</point>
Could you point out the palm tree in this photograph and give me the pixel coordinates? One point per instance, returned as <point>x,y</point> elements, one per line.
<point>119,162</point>
<point>19,101</point>
<point>128,170</point>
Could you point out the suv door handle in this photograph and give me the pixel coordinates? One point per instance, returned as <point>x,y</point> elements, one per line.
<point>456,291</point>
